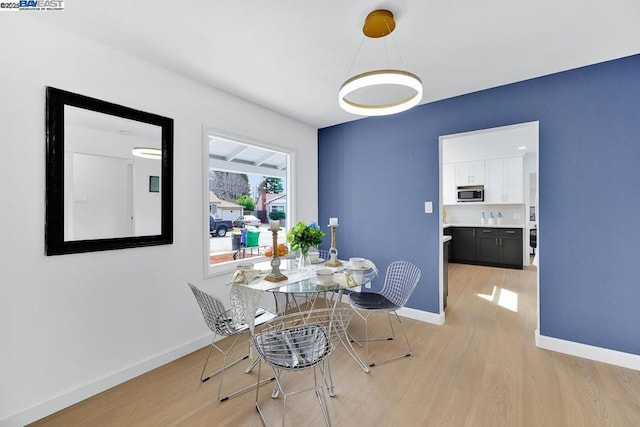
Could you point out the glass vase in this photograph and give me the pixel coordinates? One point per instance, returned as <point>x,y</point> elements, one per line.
<point>304,262</point>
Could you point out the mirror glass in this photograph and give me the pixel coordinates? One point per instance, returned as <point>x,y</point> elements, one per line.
<point>109,181</point>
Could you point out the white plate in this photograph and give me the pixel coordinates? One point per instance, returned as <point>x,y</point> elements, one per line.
<point>319,261</point>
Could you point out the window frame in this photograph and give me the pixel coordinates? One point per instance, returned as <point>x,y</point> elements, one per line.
<point>226,268</point>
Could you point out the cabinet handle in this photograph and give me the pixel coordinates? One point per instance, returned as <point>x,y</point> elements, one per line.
<point>501,241</point>
<point>509,232</point>
<point>497,242</point>
<point>486,231</point>
<point>474,233</point>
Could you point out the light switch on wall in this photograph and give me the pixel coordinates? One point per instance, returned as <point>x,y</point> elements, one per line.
<point>428,207</point>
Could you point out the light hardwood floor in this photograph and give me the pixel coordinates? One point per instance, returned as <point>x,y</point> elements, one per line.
<point>480,369</point>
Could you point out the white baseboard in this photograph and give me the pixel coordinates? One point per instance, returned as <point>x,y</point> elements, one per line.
<point>84,391</point>
<point>599,354</point>
<point>424,316</point>
<point>412,313</point>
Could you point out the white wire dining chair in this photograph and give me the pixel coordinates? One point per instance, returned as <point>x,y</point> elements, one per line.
<point>219,320</point>
<point>299,342</point>
<point>323,254</point>
<point>400,281</point>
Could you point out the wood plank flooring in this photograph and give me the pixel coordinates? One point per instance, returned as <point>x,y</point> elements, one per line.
<point>480,369</point>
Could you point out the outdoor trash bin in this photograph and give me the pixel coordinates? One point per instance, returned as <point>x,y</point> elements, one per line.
<point>236,241</point>
<point>252,238</point>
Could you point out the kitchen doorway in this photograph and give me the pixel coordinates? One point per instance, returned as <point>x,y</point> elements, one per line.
<point>509,199</point>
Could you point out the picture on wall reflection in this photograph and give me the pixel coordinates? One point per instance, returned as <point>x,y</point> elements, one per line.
<point>154,184</point>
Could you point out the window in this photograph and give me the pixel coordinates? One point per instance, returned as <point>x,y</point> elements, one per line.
<point>243,178</point>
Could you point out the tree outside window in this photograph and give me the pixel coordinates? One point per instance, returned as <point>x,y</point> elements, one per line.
<point>271,185</point>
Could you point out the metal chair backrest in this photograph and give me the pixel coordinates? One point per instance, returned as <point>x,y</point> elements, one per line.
<point>323,254</point>
<point>214,312</point>
<point>400,281</point>
<point>301,340</point>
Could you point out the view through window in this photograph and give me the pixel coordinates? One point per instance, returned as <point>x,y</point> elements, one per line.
<point>247,189</point>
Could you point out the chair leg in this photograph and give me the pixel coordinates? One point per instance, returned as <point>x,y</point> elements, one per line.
<point>277,391</point>
<point>320,393</point>
<point>211,347</point>
<point>252,365</point>
<point>404,332</point>
<point>264,421</point>
<point>226,366</point>
<point>366,339</point>
<point>318,388</point>
<point>326,371</point>
<point>393,332</point>
<point>406,339</point>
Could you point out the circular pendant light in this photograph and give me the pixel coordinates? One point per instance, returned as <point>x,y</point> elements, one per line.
<point>379,78</point>
<point>380,23</point>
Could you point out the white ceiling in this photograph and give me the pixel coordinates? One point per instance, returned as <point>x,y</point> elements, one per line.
<point>292,55</point>
<point>505,141</point>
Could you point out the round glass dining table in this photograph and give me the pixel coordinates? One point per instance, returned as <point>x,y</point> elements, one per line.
<point>302,290</point>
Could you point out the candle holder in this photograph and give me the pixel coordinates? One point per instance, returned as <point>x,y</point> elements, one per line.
<point>333,251</point>
<point>275,275</point>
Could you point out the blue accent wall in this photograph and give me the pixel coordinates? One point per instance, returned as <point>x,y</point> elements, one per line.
<point>376,173</point>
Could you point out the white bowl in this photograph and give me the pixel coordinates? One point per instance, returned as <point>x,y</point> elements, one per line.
<point>244,266</point>
<point>324,275</point>
<point>357,262</point>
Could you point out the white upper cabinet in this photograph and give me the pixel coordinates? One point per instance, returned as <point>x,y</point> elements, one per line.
<point>449,184</point>
<point>504,180</point>
<point>470,173</point>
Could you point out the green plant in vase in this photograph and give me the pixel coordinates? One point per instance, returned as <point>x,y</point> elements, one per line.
<point>302,237</point>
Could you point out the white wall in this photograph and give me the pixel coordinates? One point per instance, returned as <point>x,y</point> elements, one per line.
<point>470,213</point>
<point>98,197</point>
<point>73,325</point>
<point>531,179</point>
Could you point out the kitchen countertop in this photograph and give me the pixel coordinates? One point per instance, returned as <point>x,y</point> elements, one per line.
<point>483,225</point>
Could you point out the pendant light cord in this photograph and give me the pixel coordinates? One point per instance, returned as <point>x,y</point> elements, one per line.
<point>355,57</point>
<point>386,50</point>
<point>396,47</point>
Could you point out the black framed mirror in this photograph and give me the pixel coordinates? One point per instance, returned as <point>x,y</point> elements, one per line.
<point>109,175</point>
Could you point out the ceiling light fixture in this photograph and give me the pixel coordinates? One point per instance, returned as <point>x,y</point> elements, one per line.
<point>380,23</point>
<point>147,152</point>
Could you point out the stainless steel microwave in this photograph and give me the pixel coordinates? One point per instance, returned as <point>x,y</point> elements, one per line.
<point>471,194</point>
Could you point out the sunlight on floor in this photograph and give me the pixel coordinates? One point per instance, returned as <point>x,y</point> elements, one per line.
<point>503,297</point>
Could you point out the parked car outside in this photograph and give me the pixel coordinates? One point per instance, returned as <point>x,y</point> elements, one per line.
<point>218,227</point>
<point>247,220</point>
